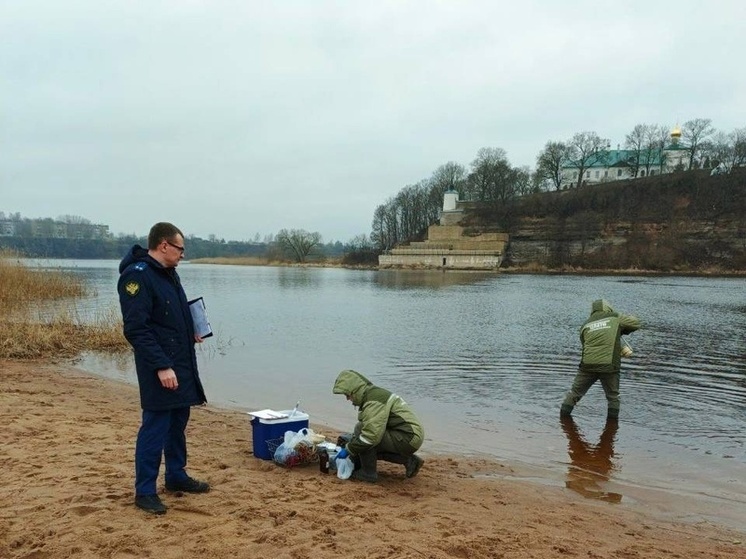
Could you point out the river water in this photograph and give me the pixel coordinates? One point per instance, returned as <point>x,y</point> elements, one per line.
<point>485,359</point>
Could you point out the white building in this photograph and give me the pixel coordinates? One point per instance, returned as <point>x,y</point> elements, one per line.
<point>618,164</point>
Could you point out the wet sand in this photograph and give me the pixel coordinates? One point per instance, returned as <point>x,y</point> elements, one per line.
<point>66,475</point>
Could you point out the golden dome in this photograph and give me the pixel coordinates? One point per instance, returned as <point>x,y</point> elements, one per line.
<point>676,132</point>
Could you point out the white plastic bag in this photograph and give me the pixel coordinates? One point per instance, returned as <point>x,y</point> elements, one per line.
<point>283,454</point>
<point>344,468</point>
<point>293,439</point>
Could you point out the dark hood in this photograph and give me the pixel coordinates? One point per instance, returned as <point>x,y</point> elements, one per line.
<point>601,305</point>
<point>137,254</point>
<point>353,384</point>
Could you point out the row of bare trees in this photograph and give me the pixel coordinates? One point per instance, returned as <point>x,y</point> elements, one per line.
<point>490,178</point>
<point>704,146</point>
<point>68,219</point>
<point>727,150</point>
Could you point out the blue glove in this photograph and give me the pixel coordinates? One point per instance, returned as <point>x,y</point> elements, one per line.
<point>343,454</point>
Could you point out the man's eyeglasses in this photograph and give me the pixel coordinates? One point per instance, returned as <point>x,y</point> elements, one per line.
<point>177,247</point>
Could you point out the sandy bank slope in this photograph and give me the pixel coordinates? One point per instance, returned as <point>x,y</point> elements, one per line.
<point>66,472</point>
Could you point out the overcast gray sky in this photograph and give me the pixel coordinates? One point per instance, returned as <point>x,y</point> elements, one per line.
<point>238,117</point>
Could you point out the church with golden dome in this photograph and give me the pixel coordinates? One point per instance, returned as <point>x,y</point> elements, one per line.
<point>619,164</point>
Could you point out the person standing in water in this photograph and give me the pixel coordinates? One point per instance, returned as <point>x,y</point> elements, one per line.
<point>601,357</point>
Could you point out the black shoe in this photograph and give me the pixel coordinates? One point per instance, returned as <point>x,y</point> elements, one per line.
<point>189,485</point>
<point>413,465</point>
<point>150,503</point>
<point>360,475</point>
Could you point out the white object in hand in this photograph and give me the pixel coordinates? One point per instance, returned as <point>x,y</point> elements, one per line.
<point>626,348</point>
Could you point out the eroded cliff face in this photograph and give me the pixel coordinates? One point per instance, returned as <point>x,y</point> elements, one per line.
<point>685,222</point>
<point>680,244</point>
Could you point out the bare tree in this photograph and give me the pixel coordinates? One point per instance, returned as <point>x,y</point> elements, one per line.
<point>539,183</point>
<point>74,220</point>
<point>412,210</point>
<point>739,147</point>
<point>523,181</point>
<point>450,176</point>
<point>550,161</point>
<point>635,142</point>
<point>492,178</point>
<point>378,229</point>
<point>359,243</point>
<point>716,151</point>
<point>655,142</point>
<point>694,132</point>
<point>482,182</point>
<point>505,184</point>
<point>297,243</point>
<point>385,227</point>
<point>584,150</point>
<point>727,151</point>
<point>646,142</point>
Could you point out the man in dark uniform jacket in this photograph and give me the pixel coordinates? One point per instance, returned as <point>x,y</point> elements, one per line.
<point>158,325</point>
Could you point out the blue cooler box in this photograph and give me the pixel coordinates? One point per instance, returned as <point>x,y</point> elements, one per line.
<point>263,430</point>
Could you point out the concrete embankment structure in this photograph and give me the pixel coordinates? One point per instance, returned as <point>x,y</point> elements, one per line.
<point>449,246</point>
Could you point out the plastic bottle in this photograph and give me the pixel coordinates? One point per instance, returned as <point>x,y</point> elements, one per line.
<point>626,348</point>
<point>323,461</point>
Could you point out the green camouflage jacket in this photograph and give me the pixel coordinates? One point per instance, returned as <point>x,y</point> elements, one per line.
<point>601,338</point>
<point>379,411</point>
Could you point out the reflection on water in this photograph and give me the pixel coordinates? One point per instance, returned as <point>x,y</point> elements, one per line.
<point>485,358</point>
<point>591,465</point>
<point>417,279</point>
<point>119,366</point>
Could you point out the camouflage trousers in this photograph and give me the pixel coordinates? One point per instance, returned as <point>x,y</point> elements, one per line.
<point>582,383</point>
<point>394,441</point>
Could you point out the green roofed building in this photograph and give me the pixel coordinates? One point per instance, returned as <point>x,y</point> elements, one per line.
<point>617,164</point>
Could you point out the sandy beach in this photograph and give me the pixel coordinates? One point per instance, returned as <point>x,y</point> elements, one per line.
<point>66,471</point>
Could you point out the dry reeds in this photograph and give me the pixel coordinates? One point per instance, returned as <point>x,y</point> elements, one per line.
<point>61,334</point>
<point>22,285</point>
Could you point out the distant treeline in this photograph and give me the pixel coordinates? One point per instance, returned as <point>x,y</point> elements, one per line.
<point>40,247</point>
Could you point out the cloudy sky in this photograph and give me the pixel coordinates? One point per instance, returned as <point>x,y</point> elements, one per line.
<point>243,117</point>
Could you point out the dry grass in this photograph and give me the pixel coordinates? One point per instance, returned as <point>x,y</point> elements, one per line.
<point>62,333</point>
<point>22,285</point>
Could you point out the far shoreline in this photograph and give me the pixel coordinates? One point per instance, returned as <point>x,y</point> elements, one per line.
<point>510,270</point>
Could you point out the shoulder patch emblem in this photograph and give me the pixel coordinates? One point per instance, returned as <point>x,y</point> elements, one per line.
<point>132,288</point>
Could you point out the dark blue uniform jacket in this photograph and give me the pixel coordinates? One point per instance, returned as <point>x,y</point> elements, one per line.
<point>158,325</point>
